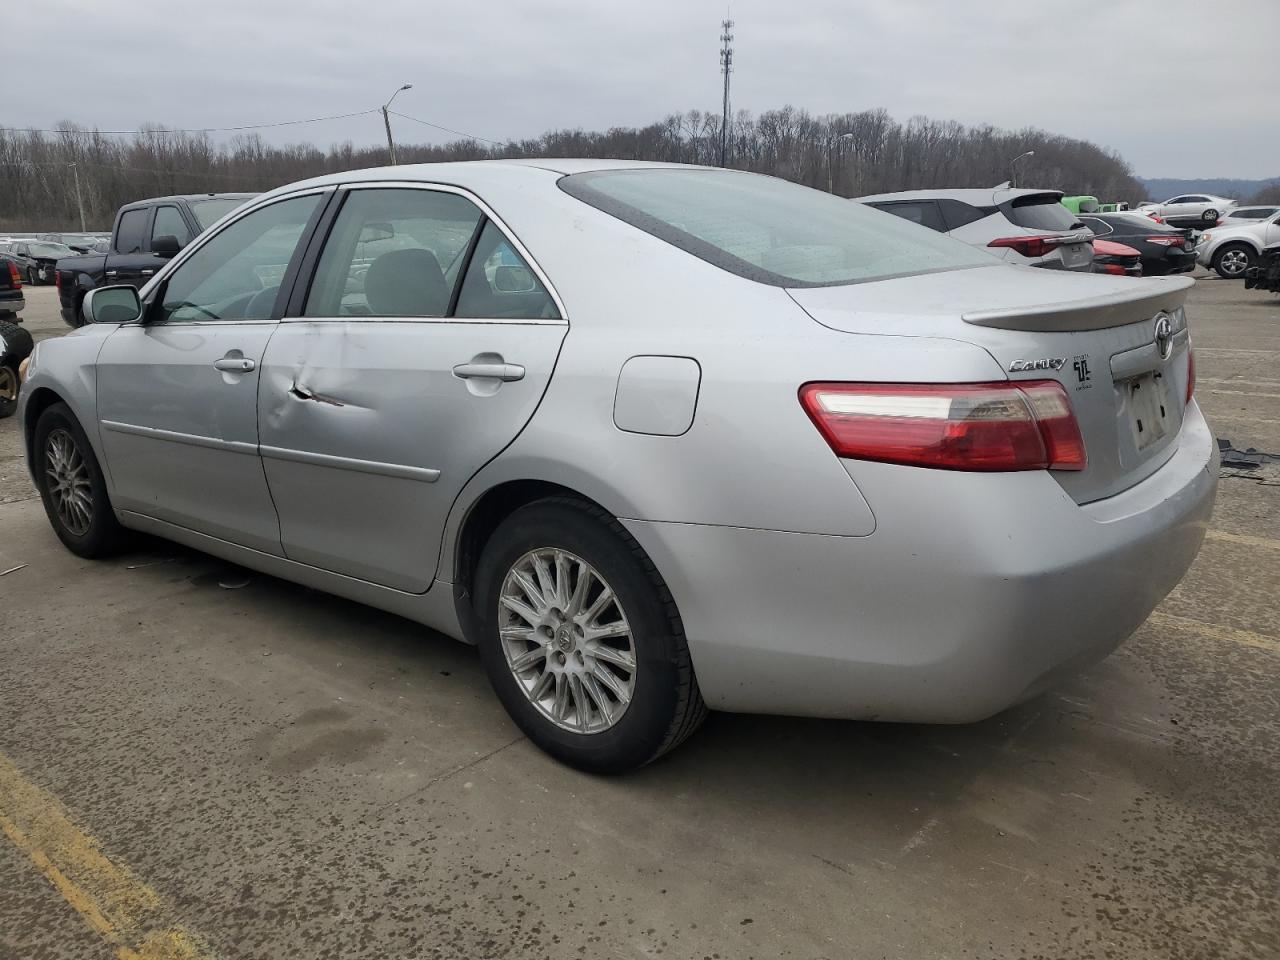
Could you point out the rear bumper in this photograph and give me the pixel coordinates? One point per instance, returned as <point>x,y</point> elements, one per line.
<point>12,304</point>
<point>975,591</point>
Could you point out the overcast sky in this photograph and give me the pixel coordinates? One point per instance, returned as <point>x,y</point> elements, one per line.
<point>1181,88</point>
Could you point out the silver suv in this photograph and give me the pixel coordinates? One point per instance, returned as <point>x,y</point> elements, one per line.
<point>1030,227</point>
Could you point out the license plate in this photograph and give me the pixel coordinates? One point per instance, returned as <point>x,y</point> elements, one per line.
<point>1074,254</point>
<point>1149,413</point>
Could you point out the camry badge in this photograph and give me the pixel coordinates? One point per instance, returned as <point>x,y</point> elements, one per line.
<point>1044,363</point>
<point>1164,335</point>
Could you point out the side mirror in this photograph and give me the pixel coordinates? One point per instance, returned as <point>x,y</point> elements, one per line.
<point>512,279</point>
<point>112,305</point>
<point>165,246</point>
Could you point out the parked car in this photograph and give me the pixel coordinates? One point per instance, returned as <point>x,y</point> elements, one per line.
<point>1022,226</point>
<point>12,299</point>
<point>145,236</point>
<point>1164,249</point>
<point>1202,208</point>
<point>36,259</point>
<point>1230,218</point>
<point>1117,259</point>
<point>79,242</point>
<point>15,346</point>
<point>656,438</point>
<point>1230,251</point>
<point>1265,275</point>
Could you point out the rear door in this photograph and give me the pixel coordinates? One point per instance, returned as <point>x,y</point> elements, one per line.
<point>420,349</point>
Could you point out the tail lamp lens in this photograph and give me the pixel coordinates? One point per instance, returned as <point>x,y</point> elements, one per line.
<point>15,278</point>
<point>1028,425</point>
<point>1028,246</point>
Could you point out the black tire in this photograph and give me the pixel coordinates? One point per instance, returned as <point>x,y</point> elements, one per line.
<point>103,535</point>
<point>1231,270</point>
<point>666,705</point>
<point>18,342</point>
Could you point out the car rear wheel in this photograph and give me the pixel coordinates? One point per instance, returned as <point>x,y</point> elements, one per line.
<point>581,638</point>
<point>72,487</point>
<point>1233,260</point>
<point>1209,216</point>
<point>8,390</point>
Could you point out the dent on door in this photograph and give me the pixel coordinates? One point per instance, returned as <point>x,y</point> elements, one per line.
<point>367,433</point>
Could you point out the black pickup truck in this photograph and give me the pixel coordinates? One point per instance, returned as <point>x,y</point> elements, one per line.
<point>146,235</point>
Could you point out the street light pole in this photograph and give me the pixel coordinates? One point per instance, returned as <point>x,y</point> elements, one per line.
<point>386,120</point>
<point>1013,166</point>
<point>831,142</point>
<point>75,170</point>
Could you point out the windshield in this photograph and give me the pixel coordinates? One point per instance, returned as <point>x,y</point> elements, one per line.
<point>51,250</point>
<point>209,212</point>
<point>768,230</point>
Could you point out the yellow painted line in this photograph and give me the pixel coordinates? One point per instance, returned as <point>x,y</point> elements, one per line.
<point>1214,631</point>
<point>1244,539</point>
<point>113,902</point>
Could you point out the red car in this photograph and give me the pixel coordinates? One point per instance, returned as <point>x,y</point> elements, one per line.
<point>1116,258</point>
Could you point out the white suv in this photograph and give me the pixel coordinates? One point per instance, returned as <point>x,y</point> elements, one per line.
<point>1231,250</point>
<point>1204,208</point>
<point>1030,227</point>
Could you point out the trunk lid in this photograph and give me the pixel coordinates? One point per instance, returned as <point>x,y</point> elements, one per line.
<point>1097,335</point>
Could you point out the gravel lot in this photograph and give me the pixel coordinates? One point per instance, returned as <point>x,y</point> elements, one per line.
<point>269,772</point>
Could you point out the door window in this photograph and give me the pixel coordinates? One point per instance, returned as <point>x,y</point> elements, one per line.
<point>393,253</point>
<point>169,223</point>
<point>130,231</point>
<point>500,285</point>
<point>923,212</point>
<point>237,274</point>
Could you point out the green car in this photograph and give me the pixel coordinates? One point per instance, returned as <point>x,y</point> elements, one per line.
<point>1079,205</point>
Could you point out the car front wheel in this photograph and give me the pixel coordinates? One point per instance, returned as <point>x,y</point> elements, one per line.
<point>71,486</point>
<point>1232,261</point>
<point>581,639</point>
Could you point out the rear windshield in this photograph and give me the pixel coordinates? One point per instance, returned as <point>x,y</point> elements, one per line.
<point>1040,211</point>
<point>209,212</point>
<point>769,230</point>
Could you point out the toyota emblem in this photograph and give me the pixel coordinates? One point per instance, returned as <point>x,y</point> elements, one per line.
<point>1164,335</point>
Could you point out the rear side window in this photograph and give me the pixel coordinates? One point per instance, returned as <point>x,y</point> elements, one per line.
<point>131,230</point>
<point>957,213</point>
<point>769,230</point>
<point>923,212</point>
<point>500,285</point>
<point>1040,211</point>
<point>393,253</point>
<point>1099,228</point>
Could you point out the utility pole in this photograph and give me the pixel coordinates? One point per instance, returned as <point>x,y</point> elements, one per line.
<point>386,120</point>
<point>75,170</point>
<point>831,142</point>
<point>726,67</point>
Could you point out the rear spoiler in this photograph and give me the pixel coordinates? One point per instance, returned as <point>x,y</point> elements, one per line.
<point>1142,300</point>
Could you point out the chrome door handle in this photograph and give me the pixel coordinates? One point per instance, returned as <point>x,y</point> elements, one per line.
<point>506,372</point>
<point>234,364</point>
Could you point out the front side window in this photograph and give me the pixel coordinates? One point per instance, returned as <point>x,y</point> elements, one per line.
<point>131,230</point>
<point>169,223</point>
<point>236,275</point>
<point>393,253</point>
<point>499,284</point>
<point>769,230</point>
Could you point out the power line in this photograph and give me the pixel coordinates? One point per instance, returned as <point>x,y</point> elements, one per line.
<point>116,166</point>
<point>251,126</point>
<point>457,133</point>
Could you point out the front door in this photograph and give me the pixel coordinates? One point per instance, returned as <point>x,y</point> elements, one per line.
<point>177,394</point>
<point>423,347</point>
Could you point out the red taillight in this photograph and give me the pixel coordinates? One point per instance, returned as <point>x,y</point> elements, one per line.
<point>1191,374</point>
<point>1029,246</point>
<point>1166,241</point>
<point>1028,425</point>
<point>1114,269</point>
<point>15,278</point>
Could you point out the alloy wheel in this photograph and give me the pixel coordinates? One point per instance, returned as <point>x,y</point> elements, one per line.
<point>8,384</point>
<point>1234,262</point>
<point>567,640</point>
<point>67,477</point>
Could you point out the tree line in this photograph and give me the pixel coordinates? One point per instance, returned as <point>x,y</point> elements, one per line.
<point>852,154</point>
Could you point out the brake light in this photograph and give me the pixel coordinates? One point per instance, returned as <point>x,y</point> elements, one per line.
<point>1027,425</point>
<point>1191,375</point>
<point>15,278</point>
<point>1029,246</point>
<point>1166,241</point>
<point>1114,269</point>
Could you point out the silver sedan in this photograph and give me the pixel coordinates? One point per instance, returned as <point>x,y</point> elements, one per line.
<point>656,438</point>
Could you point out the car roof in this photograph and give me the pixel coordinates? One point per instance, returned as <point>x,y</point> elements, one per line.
<point>978,197</point>
<point>191,197</point>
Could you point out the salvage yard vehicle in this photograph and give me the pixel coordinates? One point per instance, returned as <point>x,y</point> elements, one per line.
<point>146,235</point>
<point>656,438</point>
<point>12,299</point>
<point>1231,250</point>
<point>1117,259</point>
<point>36,258</point>
<point>1164,249</point>
<point>15,346</point>
<point>1265,275</point>
<point>1023,226</point>
<point>1191,209</point>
